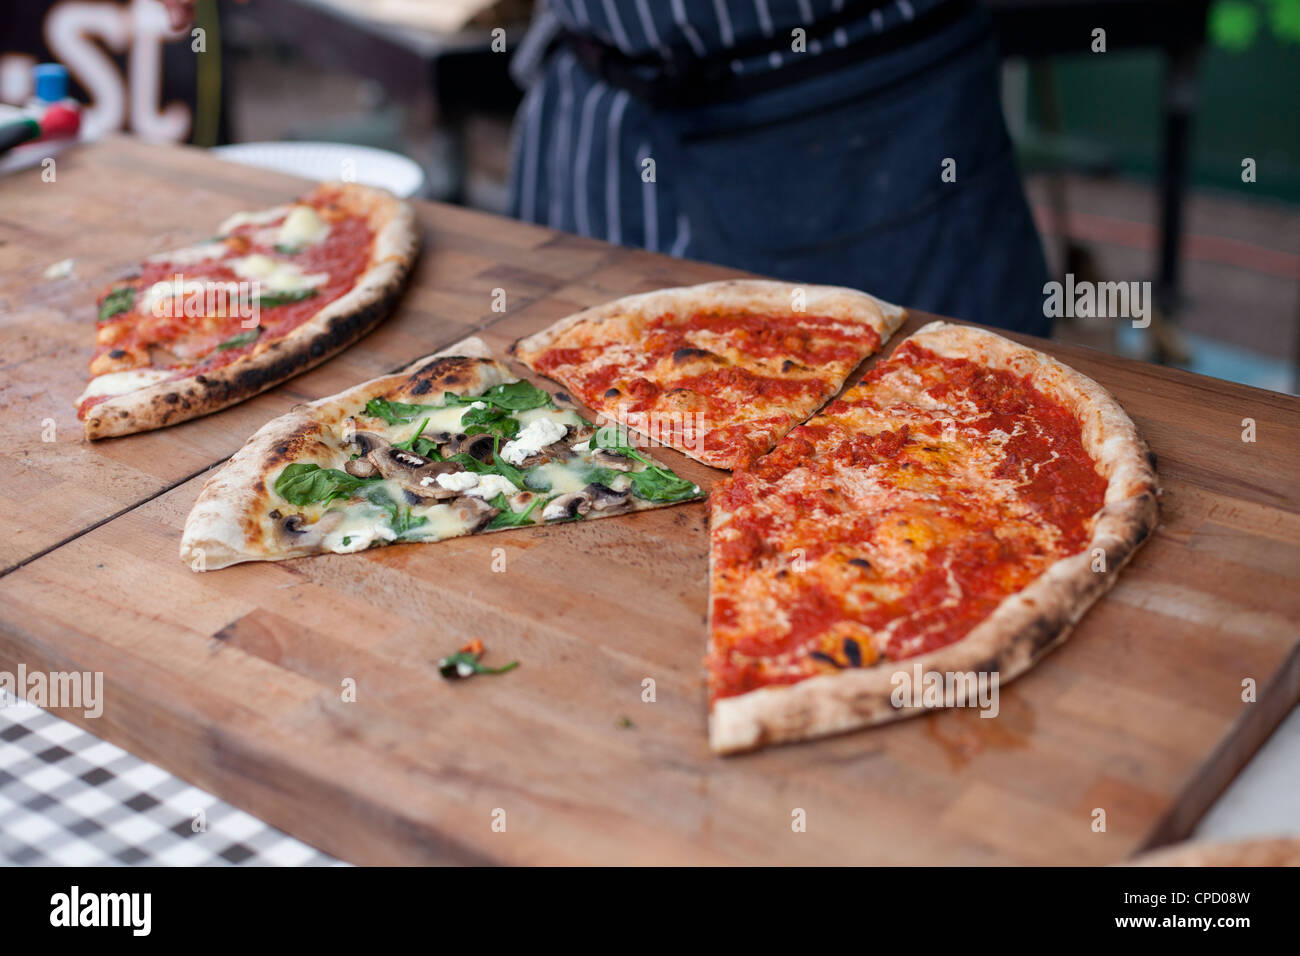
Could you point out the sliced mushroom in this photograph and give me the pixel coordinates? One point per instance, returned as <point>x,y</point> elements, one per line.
<point>361,468</point>
<point>557,450</point>
<point>294,531</point>
<point>475,512</point>
<point>407,469</point>
<point>612,459</point>
<point>567,506</point>
<point>604,498</point>
<point>479,447</point>
<point>367,442</point>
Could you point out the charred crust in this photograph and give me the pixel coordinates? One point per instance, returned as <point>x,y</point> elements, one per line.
<point>687,354</point>
<point>612,393</point>
<point>213,391</point>
<point>445,373</point>
<point>295,446</point>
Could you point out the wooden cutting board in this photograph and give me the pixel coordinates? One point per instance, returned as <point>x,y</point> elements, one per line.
<point>235,679</point>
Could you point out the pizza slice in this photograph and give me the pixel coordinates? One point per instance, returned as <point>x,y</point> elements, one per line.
<point>273,293</point>
<point>452,445</point>
<point>954,514</point>
<point>719,371</point>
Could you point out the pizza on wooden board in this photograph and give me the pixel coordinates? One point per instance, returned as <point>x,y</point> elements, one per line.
<point>957,511</point>
<point>271,294</point>
<point>452,445</point>
<point>719,371</point>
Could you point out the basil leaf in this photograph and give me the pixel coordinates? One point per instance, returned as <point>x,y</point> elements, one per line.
<point>240,340</point>
<point>286,250</point>
<point>395,413</point>
<point>269,300</point>
<point>660,484</point>
<point>516,396</point>
<point>116,302</point>
<point>303,484</point>
<point>508,518</point>
<point>611,438</point>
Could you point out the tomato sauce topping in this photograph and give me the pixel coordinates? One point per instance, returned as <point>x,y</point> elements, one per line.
<point>975,551</point>
<point>343,255</point>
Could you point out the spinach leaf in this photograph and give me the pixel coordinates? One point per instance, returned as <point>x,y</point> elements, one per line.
<point>516,396</point>
<point>286,250</point>
<point>466,663</point>
<point>490,420</point>
<point>534,480</point>
<point>600,476</point>
<point>660,484</point>
<point>116,302</point>
<point>424,447</point>
<point>302,484</point>
<point>269,300</point>
<point>469,463</point>
<point>395,413</point>
<point>241,339</point>
<point>612,438</point>
<point>508,471</point>
<point>400,518</point>
<point>509,518</point>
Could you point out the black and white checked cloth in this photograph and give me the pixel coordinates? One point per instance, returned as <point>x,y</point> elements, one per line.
<point>69,798</point>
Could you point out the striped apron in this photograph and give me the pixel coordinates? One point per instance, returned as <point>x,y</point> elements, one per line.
<point>834,178</point>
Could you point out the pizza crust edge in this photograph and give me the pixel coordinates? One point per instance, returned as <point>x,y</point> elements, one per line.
<point>1027,624</point>
<point>328,332</point>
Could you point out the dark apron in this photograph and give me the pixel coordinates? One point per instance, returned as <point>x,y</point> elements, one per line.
<point>834,179</point>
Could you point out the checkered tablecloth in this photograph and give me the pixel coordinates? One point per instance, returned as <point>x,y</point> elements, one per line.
<point>70,798</point>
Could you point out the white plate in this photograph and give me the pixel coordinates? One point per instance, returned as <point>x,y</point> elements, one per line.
<point>330,161</point>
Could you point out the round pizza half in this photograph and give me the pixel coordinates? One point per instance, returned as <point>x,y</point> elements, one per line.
<point>951,516</point>
<point>271,294</point>
<point>719,371</point>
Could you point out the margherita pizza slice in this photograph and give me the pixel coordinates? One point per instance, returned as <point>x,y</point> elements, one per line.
<point>954,514</point>
<point>272,294</point>
<point>718,371</point>
<point>452,445</point>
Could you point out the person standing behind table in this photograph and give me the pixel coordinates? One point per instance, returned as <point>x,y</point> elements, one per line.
<point>693,127</point>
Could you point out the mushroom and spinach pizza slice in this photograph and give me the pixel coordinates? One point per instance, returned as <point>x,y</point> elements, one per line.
<point>719,371</point>
<point>273,293</point>
<point>956,513</point>
<point>452,445</point>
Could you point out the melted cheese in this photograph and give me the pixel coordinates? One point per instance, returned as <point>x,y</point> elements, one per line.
<point>258,217</point>
<point>276,275</point>
<point>302,227</point>
<point>120,383</point>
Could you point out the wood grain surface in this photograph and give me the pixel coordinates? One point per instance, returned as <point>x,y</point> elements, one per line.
<point>234,679</point>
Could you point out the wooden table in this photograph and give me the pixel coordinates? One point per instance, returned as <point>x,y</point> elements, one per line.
<point>234,679</point>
